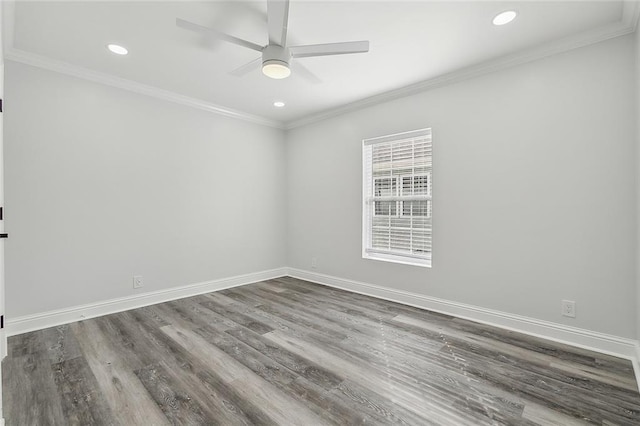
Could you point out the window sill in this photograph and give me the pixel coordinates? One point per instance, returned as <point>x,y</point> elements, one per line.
<point>423,263</point>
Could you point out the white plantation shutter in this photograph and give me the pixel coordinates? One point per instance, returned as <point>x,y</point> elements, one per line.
<point>397,205</point>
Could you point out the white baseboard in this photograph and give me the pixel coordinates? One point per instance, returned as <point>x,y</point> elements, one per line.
<point>600,342</point>
<point>636,364</point>
<point>63,316</point>
<point>586,339</point>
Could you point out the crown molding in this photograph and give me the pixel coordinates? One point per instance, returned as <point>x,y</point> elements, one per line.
<point>626,26</point>
<point>47,63</point>
<point>9,52</point>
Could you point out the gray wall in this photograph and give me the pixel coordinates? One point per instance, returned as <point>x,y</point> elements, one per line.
<point>102,184</point>
<point>534,190</point>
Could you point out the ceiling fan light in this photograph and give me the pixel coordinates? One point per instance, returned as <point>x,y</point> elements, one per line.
<point>276,69</point>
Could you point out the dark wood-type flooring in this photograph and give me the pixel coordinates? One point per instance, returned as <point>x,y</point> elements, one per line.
<point>289,352</point>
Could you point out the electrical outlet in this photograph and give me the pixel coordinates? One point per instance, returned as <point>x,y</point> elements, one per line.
<point>314,263</point>
<point>137,281</point>
<point>569,308</point>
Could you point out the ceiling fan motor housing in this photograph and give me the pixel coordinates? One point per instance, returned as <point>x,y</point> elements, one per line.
<point>275,61</point>
<point>276,54</point>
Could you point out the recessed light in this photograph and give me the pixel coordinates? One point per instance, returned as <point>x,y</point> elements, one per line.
<point>504,17</point>
<point>117,49</point>
<point>278,104</point>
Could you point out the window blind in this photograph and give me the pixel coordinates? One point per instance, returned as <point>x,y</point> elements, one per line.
<point>397,204</point>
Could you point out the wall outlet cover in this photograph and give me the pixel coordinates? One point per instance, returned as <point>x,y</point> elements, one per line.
<point>569,308</point>
<point>137,281</point>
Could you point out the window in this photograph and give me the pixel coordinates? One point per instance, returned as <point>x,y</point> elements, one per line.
<point>397,206</point>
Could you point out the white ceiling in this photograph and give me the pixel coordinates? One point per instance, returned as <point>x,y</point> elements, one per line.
<point>411,42</point>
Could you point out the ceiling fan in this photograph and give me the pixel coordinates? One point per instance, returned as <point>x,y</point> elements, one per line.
<point>276,56</point>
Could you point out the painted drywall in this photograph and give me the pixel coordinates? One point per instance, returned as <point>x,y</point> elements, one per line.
<point>103,184</point>
<point>534,190</point>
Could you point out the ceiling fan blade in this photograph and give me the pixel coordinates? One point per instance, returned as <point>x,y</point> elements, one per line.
<point>277,18</point>
<point>305,73</point>
<point>217,34</point>
<point>247,68</point>
<point>329,49</point>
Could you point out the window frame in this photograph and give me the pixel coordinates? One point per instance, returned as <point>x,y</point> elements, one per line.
<point>369,211</point>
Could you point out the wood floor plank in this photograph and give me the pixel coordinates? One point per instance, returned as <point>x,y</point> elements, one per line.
<point>219,297</point>
<point>557,350</point>
<point>382,410</point>
<point>437,374</point>
<point>367,377</point>
<point>26,344</point>
<point>435,380</point>
<point>543,416</point>
<point>342,324</point>
<point>332,408</point>
<point>194,315</point>
<point>237,317</point>
<point>556,395</point>
<point>255,361</point>
<point>29,392</point>
<point>278,319</point>
<point>61,343</point>
<point>274,306</point>
<point>169,362</point>
<point>534,362</point>
<point>290,352</point>
<point>313,317</point>
<point>130,403</point>
<point>617,371</point>
<point>311,371</point>
<point>326,300</point>
<point>279,407</point>
<point>178,405</point>
<point>82,402</point>
<point>203,403</point>
<point>196,318</point>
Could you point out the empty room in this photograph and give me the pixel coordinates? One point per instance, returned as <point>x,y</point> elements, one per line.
<point>323,212</point>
